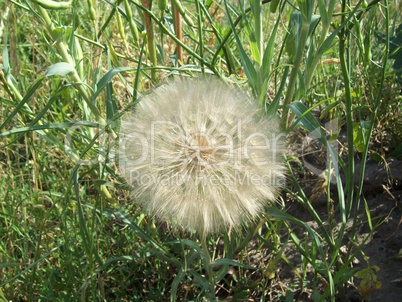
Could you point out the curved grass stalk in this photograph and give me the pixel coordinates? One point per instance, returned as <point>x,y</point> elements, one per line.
<point>200,32</point>
<point>62,49</point>
<point>133,27</point>
<point>183,13</point>
<point>49,4</point>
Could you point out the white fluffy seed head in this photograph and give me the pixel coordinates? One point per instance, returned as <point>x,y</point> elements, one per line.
<point>200,154</point>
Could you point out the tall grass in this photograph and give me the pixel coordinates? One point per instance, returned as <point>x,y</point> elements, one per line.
<point>69,228</point>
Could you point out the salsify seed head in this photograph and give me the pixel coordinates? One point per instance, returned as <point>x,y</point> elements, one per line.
<point>202,155</point>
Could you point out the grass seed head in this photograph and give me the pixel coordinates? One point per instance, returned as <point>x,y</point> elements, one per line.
<point>202,155</point>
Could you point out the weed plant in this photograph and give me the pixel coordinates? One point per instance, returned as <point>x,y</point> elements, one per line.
<point>69,227</point>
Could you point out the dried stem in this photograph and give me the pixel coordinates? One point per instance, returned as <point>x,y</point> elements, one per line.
<point>178,32</point>
<point>150,37</point>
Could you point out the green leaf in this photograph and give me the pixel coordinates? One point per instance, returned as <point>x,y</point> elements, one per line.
<point>360,138</point>
<point>107,78</point>
<point>2,297</point>
<point>267,62</point>
<point>273,6</point>
<point>126,219</point>
<point>189,243</point>
<point>274,106</point>
<point>274,212</point>
<point>61,69</point>
<point>397,153</point>
<point>293,37</point>
<point>248,66</point>
<point>313,24</point>
<point>254,32</point>
<point>369,282</point>
<point>22,104</point>
<point>49,4</point>
<point>307,119</point>
<point>63,33</point>
<point>31,266</point>
<point>48,126</point>
<point>269,50</point>
<point>227,261</point>
<point>111,106</point>
<point>175,284</point>
<point>6,61</point>
<point>366,272</point>
<point>205,283</point>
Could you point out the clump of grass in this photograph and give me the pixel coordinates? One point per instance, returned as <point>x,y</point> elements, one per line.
<point>69,71</point>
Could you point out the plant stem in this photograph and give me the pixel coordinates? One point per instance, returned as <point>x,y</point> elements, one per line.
<point>178,33</point>
<point>133,27</point>
<point>293,74</point>
<point>344,54</point>
<point>374,112</point>
<point>62,49</point>
<point>150,37</point>
<point>200,33</point>
<point>323,36</point>
<point>211,289</point>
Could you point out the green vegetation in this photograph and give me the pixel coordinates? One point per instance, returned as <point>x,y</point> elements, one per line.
<point>69,229</point>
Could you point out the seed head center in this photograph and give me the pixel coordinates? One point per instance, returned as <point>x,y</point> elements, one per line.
<point>199,150</point>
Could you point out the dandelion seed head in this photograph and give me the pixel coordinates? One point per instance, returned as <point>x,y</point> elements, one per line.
<point>202,155</point>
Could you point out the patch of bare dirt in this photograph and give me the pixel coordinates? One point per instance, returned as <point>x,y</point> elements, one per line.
<point>381,196</point>
<point>384,250</point>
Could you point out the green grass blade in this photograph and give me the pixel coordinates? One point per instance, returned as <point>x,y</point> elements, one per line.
<point>284,216</point>
<point>49,126</point>
<point>126,220</point>
<point>227,261</point>
<point>108,77</point>
<point>21,104</point>
<point>308,120</point>
<point>248,66</point>
<point>45,256</point>
<point>175,284</point>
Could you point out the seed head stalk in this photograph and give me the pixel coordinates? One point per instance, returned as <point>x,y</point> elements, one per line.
<point>208,267</point>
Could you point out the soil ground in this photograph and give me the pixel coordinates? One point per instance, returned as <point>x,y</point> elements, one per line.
<point>385,248</point>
